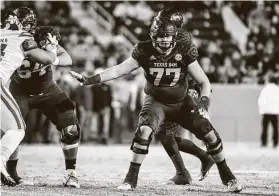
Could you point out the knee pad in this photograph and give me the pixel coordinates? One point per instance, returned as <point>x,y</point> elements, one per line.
<point>216,147</point>
<point>70,134</point>
<point>139,145</point>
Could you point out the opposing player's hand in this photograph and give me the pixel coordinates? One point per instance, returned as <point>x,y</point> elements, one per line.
<point>51,44</point>
<point>202,112</point>
<point>12,19</point>
<point>52,39</point>
<point>81,78</point>
<point>202,107</point>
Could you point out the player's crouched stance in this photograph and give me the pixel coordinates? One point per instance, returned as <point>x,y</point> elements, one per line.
<point>166,63</point>
<point>33,87</point>
<point>171,135</point>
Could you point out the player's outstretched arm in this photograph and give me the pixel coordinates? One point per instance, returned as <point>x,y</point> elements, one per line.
<point>111,73</point>
<point>64,57</point>
<point>202,80</point>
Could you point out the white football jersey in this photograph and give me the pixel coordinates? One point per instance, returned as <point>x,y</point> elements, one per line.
<point>12,54</point>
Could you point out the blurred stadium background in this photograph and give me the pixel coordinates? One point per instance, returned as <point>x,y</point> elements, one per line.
<point>238,49</point>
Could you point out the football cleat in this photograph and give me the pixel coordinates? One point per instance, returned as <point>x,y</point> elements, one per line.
<point>125,186</point>
<point>182,178</point>
<point>205,167</point>
<point>130,181</point>
<point>18,180</point>
<point>234,186</point>
<point>6,179</point>
<point>71,180</point>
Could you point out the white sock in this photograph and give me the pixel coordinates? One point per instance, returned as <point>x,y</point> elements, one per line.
<point>138,158</point>
<point>10,141</point>
<point>15,155</point>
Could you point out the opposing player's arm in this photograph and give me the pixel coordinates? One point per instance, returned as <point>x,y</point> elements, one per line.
<point>201,79</point>
<point>64,57</point>
<point>111,73</point>
<point>196,71</point>
<point>31,50</point>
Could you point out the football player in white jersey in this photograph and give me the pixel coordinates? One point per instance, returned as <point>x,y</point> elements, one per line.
<point>17,44</point>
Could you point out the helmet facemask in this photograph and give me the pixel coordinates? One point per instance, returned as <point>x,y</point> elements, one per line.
<point>163,43</point>
<point>163,35</point>
<point>12,22</point>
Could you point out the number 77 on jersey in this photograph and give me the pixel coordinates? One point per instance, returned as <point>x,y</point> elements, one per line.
<point>165,76</point>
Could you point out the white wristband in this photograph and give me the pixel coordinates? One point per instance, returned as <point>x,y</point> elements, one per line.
<point>56,62</point>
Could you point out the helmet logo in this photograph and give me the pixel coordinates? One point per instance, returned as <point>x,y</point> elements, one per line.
<point>178,57</point>
<point>152,58</point>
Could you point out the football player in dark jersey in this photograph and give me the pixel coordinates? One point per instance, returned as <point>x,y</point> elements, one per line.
<point>33,86</point>
<point>166,62</point>
<point>169,132</point>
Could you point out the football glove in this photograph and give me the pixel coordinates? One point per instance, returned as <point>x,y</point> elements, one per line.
<point>204,103</point>
<point>81,78</point>
<point>202,107</point>
<point>12,19</point>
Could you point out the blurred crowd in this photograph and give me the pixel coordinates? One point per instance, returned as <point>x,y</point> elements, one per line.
<point>108,110</point>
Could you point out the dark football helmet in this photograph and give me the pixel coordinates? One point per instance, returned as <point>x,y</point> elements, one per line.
<point>25,19</point>
<point>175,16</point>
<point>41,35</point>
<point>163,34</point>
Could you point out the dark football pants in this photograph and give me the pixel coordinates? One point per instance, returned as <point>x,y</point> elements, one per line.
<point>154,113</point>
<point>47,102</point>
<point>267,118</point>
<point>172,128</point>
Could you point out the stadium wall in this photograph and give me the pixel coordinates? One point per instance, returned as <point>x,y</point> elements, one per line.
<point>234,112</point>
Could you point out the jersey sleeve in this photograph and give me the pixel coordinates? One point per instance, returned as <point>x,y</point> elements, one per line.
<point>137,52</point>
<point>189,49</point>
<point>184,37</point>
<point>192,54</point>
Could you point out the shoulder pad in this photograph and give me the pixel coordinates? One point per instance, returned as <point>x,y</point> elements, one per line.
<point>139,45</point>
<point>25,34</point>
<point>193,52</point>
<point>29,44</point>
<point>184,36</point>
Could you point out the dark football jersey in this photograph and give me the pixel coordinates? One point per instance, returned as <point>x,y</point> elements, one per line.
<point>166,75</point>
<point>33,77</point>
